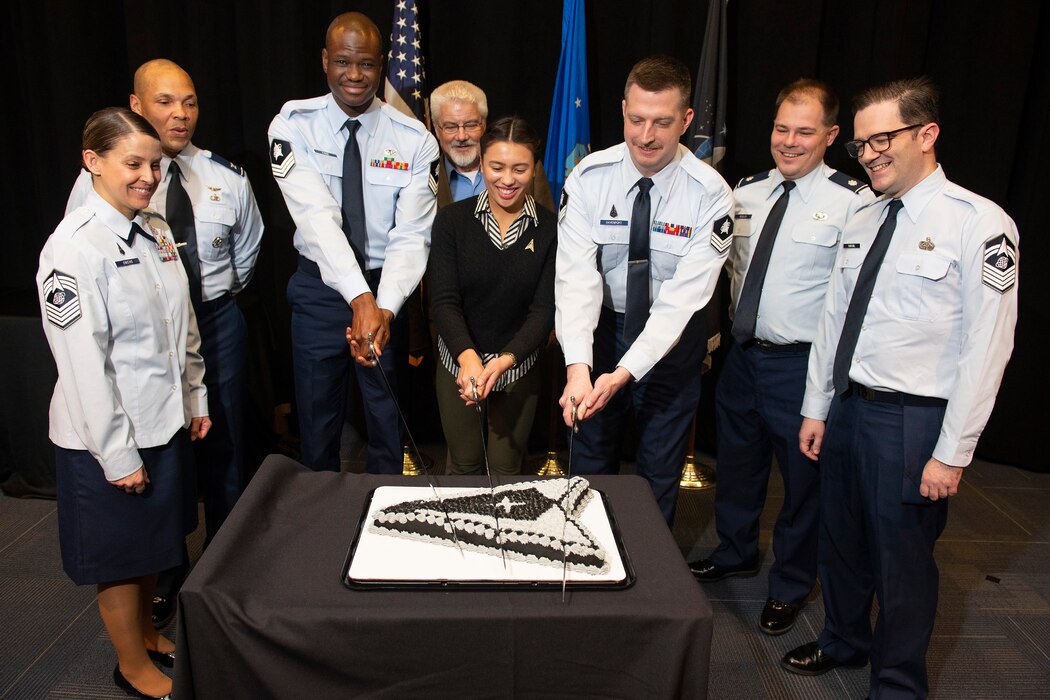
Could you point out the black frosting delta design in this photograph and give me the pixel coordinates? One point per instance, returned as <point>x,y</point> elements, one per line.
<point>532,516</point>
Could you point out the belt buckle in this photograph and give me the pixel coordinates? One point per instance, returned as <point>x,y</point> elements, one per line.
<point>764,344</point>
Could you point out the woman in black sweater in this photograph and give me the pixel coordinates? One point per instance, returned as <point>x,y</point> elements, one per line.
<point>492,299</point>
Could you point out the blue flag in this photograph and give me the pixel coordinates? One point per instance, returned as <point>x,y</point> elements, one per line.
<point>707,134</point>
<point>405,76</point>
<point>569,136</point>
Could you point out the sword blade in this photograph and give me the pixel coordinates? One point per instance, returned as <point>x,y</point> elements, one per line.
<point>412,442</point>
<point>488,473</point>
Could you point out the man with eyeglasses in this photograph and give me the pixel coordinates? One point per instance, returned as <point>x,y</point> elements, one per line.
<point>912,344</point>
<point>787,226</point>
<point>459,110</point>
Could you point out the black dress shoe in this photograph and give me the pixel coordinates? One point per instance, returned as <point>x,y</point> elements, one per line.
<point>777,617</point>
<point>810,660</point>
<point>164,658</point>
<point>125,685</point>
<point>707,571</point>
<point>163,611</point>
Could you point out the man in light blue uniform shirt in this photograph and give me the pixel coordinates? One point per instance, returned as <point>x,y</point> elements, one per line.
<point>634,343</point>
<point>227,232</point>
<point>911,347</point>
<point>800,208</point>
<point>356,268</point>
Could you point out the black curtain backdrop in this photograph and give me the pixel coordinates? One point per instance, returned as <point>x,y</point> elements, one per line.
<point>64,60</point>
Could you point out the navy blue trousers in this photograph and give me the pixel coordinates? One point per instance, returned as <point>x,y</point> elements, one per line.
<point>321,362</point>
<point>220,455</point>
<point>757,412</point>
<point>661,406</point>
<point>877,536</point>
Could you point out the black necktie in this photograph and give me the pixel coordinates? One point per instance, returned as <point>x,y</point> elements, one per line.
<point>746,316</point>
<point>636,311</point>
<point>353,195</point>
<point>138,230</point>
<point>179,213</point>
<point>858,303</point>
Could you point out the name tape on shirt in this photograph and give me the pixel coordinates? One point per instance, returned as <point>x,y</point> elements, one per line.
<point>1000,264</point>
<point>722,234</point>
<point>61,300</point>
<point>282,160</point>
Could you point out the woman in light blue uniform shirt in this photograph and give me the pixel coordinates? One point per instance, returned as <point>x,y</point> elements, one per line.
<point>115,306</point>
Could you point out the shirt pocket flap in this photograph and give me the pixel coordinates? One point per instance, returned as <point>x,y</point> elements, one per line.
<point>213,214</point>
<point>928,265</point>
<point>815,234</point>
<point>606,234</point>
<point>675,245</point>
<point>388,176</point>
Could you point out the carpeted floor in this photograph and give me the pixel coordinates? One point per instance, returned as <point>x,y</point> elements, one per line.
<point>992,638</point>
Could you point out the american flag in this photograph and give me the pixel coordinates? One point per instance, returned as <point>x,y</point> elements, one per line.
<point>405,75</point>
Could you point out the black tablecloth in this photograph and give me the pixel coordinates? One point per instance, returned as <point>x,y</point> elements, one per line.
<point>265,614</point>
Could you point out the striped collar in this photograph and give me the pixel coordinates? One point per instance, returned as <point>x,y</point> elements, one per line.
<point>527,215</point>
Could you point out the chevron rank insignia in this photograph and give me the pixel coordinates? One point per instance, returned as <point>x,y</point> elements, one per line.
<point>1000,264</point>
<point>563,205</point>
<point>282,160</point>
<point>433,179</point>
<point>722,234</point>
<point>61,300</point>
<point>533,521</point>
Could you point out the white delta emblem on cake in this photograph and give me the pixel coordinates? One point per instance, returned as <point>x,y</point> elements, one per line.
<point>532,517</point>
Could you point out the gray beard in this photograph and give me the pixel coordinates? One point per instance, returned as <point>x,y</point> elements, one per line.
<point>466,162</point>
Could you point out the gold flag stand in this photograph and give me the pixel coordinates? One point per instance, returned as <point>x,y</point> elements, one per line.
<point>410,465</point>
<point>696,476</point>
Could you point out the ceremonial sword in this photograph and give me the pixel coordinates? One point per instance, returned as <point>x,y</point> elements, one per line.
<point>565,502</point>
<point>390,390</point>
<point>485,452</point>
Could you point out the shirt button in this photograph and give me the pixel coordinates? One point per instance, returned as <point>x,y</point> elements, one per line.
<point>167,321</point>
<point>174,387</point>
<point>916,268</point>
<point>157,286</point>
<point>171,353</point>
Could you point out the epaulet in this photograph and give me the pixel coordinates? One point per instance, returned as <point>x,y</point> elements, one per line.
<point>962,194</point>
<point>72,223</point>
<point>222,161</point>
<point>697,169</point>
<point>750,179</point>
<point>607,156</point>
<point>402,118</point>
<point>153,214</point>
<point>311,104</point>
<point>848,181</point>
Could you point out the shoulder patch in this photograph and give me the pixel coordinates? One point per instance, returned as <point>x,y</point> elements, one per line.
<point>432,181</point>
<point>563,204</point>
<point>722,234</point>
<point>61,299</point>
<point>999,271</point>
<point>848,181</point>
<point>222,161</point>
<point>751,179</point>
<point>282,160</point>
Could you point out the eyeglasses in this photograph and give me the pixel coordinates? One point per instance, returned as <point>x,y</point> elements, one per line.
<point>877,142</point>
<point>452,128</point>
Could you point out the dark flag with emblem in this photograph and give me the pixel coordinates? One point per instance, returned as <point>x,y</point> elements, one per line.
<point>569,135</point>
<point>405,75</point>
<point>707,134</point>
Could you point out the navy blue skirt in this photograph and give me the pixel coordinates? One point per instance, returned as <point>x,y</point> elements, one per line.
<point>109,535</point>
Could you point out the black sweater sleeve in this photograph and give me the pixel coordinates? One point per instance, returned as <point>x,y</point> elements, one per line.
<point>446,300</point>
